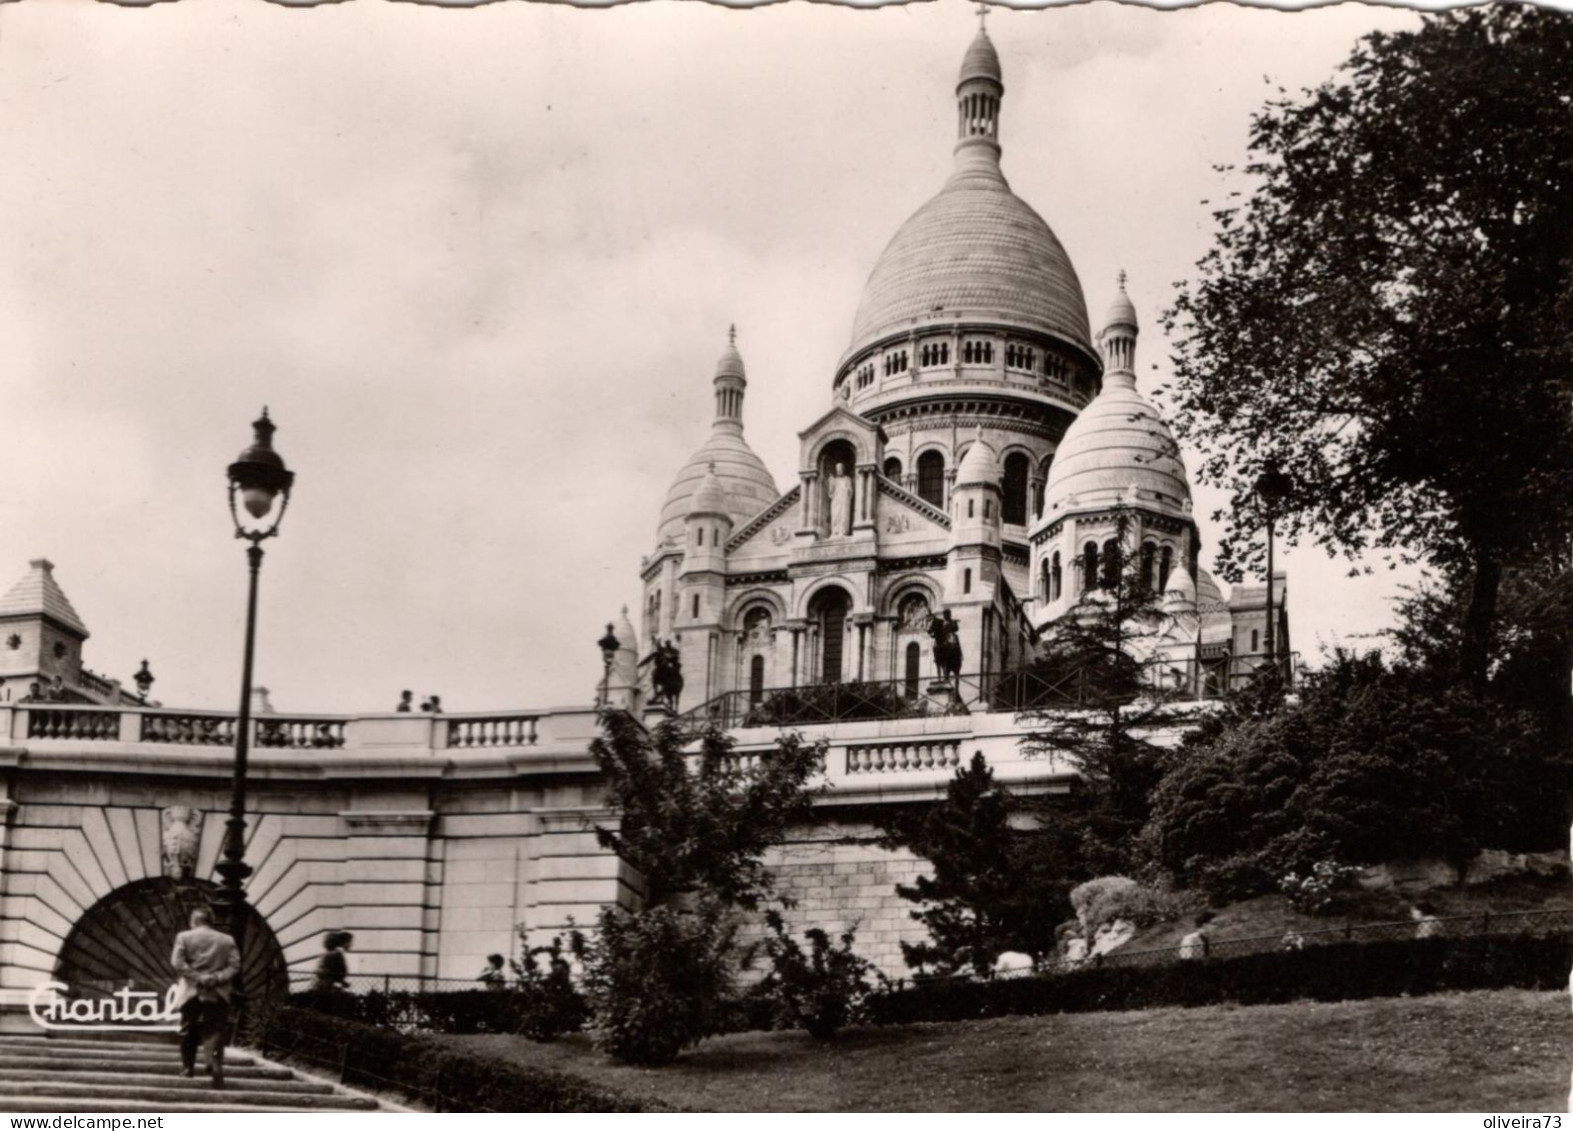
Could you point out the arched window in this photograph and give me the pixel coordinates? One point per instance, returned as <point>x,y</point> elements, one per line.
<point>910,683</point>
<point>893,469</point>
<point>931,478</point>
<point>756,680</point>
<point>1111,564</point>
<point>1017,468</point>
<point>829,613</point>
<point>1149,555</point>
<point>701,535</point>
<point>1054,578</point>
<point>1089,566</point>
<point>1044,584</point>
<point>966,581</point>
<point>1165,564</point>
<point>1256,640</point>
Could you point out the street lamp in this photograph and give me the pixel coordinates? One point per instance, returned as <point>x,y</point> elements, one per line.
<point>608,645</point>
<point>144,680</point>
<point>1272,486</point>
<point>258,478</point>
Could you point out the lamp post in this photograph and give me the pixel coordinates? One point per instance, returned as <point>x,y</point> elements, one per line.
<point>1271,487</point>
<point>608,645</point>
<point>258,477</point>
<point>144,680</point>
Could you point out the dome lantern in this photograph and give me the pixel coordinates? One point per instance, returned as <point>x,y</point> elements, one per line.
<point>1118,338</point>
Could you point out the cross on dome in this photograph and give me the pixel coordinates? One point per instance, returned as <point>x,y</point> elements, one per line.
<point>983,17</point>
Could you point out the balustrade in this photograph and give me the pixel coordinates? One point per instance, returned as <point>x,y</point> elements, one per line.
<point>890,757</point>
<point>82,725</point>
<point>187,729</point>
<point>493,730</point>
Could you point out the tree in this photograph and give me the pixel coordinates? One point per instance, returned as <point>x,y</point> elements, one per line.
<point>694,816</point>
<point>696,819</point>
<point>1104,651</point>
<point>1386,317</point>
<point>1371,764</point>
<point>990,891</point>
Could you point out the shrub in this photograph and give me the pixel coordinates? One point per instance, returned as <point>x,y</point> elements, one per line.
<point>1316,891</point>
<point>427,1070</point>
<point>438,1011</point>
<point>1108,898</point>
<point>656,980</point>
<point>833,702</point>
<point>1333,972</point>
<point>818,990</point>
<point>551,1004</point>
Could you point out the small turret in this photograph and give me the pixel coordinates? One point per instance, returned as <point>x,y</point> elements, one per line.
<point>976,495</point>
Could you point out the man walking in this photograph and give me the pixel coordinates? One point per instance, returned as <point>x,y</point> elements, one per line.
<point>207,961</point>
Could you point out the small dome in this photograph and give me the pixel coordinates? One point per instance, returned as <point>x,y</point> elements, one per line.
<point>979,465</point>
<point>981,60</point>
<point>1207,591</point>
<point>710,498</point>
<point>1181,588</point>
<point>745,485</point>
<point>1117,444</point>
<point>1217,624</point>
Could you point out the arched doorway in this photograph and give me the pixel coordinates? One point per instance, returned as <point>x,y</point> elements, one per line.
<point>125,939</point>
<point>829,614</point>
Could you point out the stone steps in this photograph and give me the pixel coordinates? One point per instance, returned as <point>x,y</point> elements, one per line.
<point>70,1074</point>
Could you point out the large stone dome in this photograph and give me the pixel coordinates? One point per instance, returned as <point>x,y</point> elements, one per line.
<point>976,251</point>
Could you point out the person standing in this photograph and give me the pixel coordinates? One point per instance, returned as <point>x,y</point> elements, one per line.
<point>493,977</point>
<point>333,968</point>
<point>1196,944</point>
<point>207,961</point>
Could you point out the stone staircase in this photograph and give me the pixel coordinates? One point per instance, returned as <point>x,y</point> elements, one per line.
<point>55,1074</point>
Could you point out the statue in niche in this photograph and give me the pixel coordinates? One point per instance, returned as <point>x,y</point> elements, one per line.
<point>182,836</point>
<point>947,644</point>
<point>839,490</point>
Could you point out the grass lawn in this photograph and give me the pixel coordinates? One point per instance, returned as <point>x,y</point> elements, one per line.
<point>1506,1050</point>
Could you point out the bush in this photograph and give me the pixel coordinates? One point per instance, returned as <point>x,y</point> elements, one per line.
<point>1316,891</point>
<point>850,701</point>
<point>1334,972</point>
<point>820,990</point>
<point>551,1004</point>
<point>427,1070</point>
<point>656,980</point>
<point>437,1011</point>
<point>1108,898</point>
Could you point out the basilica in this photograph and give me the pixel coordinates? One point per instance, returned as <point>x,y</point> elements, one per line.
<point>984,464</point>
<point>981,454</point>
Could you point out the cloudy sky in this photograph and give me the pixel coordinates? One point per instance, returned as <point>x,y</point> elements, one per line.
<point>479,265</point>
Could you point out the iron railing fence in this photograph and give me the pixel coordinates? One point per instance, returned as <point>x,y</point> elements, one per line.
<point>303,981</point>
<point>1194,680</point>
<point>1546,921</point>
